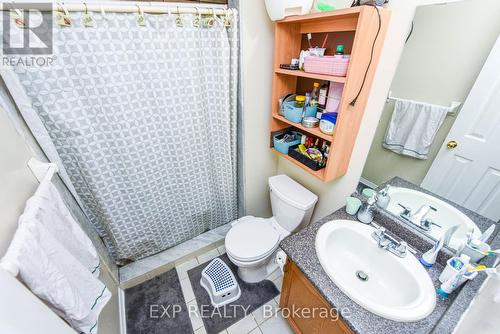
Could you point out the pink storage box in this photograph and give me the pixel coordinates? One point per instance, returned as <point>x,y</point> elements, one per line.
<point>329,65</point>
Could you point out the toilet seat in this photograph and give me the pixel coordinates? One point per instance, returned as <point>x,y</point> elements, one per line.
<point>252,239</point>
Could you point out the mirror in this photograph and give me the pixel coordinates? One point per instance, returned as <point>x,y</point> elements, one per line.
<point>435,143</point>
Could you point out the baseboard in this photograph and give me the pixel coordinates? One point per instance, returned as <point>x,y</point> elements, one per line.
<point>122,313</point>
<point>368,183</point>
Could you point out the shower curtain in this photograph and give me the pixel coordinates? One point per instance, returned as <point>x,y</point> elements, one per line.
<point>142,121</point>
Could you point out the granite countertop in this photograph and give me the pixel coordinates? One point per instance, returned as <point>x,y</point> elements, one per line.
<point>300,248</point>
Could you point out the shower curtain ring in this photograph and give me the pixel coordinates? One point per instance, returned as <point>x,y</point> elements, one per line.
<point>197,18</point>
<point>211,20</point>
<point>178,19</point>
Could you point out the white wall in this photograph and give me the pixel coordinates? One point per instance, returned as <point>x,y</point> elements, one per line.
<point>17,185</point>
<point>257,38</point>
<point>332,195</point>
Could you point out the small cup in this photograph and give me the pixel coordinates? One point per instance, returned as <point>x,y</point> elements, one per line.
<point>320,52</point>
<point>449,272</point>
<point>476,255</point>
<point>353,205</point>
<point>368,192</point>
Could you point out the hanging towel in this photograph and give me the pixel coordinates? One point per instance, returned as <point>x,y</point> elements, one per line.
<point>413,127</point>
<point>48,208</point>
<point>54,275</point>
<point>55,259</point>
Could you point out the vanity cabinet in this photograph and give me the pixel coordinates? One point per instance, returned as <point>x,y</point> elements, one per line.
<point>362,31</point>
<point>299,294</point>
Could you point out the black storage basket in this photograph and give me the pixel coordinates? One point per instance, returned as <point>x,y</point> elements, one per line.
<point>303,159</point>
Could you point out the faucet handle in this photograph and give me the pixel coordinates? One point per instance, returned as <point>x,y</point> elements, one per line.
<point>402,247</point>
<point>406,209</point>
<point>380,232</point>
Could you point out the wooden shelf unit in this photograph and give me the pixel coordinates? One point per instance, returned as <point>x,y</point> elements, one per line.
<point>356,28</point>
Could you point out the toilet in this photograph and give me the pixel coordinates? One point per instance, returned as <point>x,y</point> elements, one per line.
<point>252,242</point>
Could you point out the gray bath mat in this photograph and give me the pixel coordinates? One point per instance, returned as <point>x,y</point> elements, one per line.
<point>252,297</point>
<point>157,306</point>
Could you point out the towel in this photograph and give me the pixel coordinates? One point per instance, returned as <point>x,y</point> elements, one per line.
<point>48,208</point>
<point>413,127</point>
<point>57,261</point>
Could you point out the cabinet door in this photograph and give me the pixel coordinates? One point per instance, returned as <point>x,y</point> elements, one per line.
<point>299,294</point>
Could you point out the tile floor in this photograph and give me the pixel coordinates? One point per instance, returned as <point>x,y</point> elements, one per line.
<point>254,323</point>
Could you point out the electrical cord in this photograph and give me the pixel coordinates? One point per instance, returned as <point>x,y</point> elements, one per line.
<point>353,102</point>
<point>409,34</point>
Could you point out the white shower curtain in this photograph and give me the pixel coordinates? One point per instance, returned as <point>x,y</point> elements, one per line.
<point>142,120</point>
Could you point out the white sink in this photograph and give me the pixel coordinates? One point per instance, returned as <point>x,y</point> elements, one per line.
<point>445,216</point>
<point>397,288</point>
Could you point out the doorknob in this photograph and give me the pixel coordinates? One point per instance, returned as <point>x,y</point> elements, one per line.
<point>452,144</point>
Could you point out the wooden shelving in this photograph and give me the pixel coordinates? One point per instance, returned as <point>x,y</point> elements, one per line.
<point>313,131</point>
<point>320,174</point>
<point>356,28</point>
<point>302,74</point>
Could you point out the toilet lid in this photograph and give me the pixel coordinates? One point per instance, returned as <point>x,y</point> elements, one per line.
<point>251,239</point>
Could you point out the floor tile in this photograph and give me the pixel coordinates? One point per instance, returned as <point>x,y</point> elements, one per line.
<point>194,314</point>
<point>265,311</point>
<point>184,267</point>
<point>275,325</point>
<point>244,326</point>
<point>187,290</point>
<point>277,299</point>
<point>278,282</point>
<point>223,332</point>
<point>211,254</point>
<point>222,250</point>
<point>275,274</point>
<point>256,331</point>
<point>200,330</point>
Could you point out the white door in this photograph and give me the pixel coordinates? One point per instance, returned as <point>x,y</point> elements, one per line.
<point>467,168</point>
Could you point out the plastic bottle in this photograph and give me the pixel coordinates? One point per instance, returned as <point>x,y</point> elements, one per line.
<point>339,51</point>
<point>314,95</point>
<point>323,93</point>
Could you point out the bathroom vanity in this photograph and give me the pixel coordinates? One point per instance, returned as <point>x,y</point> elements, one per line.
<point>306,284</point>
<point>298,291</point>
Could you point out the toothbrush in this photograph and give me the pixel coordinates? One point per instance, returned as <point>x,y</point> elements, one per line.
<point>309,37</point>
<point>492,253</point>
<point>487,234</point>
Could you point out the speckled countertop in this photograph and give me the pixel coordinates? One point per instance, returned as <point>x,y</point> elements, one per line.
<point>300,248</point>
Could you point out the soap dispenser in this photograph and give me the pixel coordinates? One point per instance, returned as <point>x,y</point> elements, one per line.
<point>383,197</point>
<point>368,210</point>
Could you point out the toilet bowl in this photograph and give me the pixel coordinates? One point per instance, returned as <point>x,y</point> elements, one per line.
<point>252,242</point>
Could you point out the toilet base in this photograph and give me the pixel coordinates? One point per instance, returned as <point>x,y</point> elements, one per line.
<point>255,274</point>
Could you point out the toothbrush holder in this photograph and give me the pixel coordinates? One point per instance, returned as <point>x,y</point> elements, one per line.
<point>449,272</point>
<point>476,255</point>
<point>352,205</point>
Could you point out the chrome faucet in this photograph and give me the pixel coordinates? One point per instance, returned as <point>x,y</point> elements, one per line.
<point>418,218</point>
<point>388,243</point>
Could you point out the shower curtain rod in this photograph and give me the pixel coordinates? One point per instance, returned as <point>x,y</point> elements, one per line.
<point>92,7</point>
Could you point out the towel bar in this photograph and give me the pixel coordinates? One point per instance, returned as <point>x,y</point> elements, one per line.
<point>454,105</point>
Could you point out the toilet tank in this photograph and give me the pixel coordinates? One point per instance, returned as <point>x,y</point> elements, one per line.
<point>292,204</point>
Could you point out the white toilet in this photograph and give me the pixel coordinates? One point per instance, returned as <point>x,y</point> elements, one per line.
<point>251,243</point>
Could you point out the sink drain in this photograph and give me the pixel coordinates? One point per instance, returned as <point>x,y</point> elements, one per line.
<point>362,276</point>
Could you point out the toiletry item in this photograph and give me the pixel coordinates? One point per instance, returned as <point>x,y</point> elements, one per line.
<point>352,205</point>
<point>368,192</point>
<point>302,58</point>
<point>367,211</point>
<point>320,52</point>
<point>453,282</point>
<point>327,123</point>
<point>476,249</point>
<point>295,62</point>
<point>300,101</point>
<point>334,96</point>
<point>309,38</point>
<point>339,51</point>
<point>289,67</point>
<point>487,234</point>
<point>453,265</point>
<point>323,93</point>
<point>315,94</point>
<point>429,258</point>
<point>310,122</point>
<point>383,197</point>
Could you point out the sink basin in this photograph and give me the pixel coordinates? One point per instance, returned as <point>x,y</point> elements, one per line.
<point>394,288</point>
<point>446,215</point>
